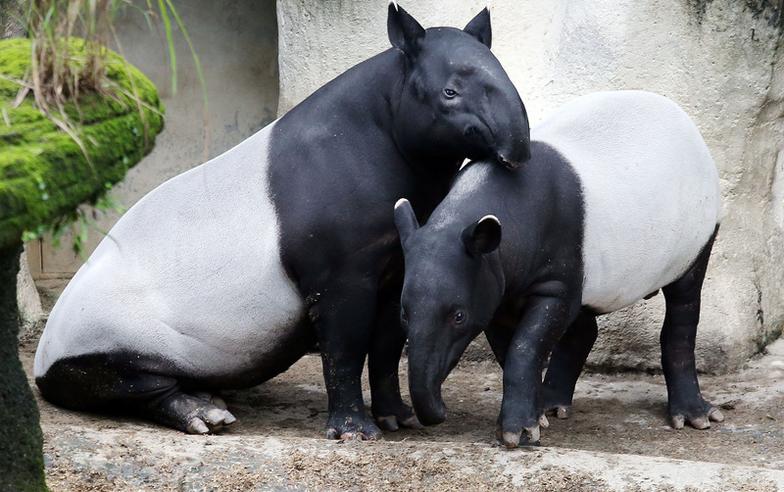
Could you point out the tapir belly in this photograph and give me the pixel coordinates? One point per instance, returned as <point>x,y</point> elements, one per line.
<point>650,190</point>
<point>191,276</point>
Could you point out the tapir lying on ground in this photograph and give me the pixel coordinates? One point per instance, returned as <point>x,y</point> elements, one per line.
<point>620,199</point>
<point>225,275</point>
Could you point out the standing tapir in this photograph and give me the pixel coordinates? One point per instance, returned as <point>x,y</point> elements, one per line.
<point>620,199</point>
<point>226,274</point>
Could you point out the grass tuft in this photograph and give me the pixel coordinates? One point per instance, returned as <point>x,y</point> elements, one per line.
<point>44,173</point>
<point>65,98</point>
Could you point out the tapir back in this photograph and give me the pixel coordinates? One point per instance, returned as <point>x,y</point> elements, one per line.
<point>651,191</point>
<point>191,275</point>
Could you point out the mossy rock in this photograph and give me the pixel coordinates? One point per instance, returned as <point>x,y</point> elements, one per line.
<point>44,174</point>
<point>21,461</point>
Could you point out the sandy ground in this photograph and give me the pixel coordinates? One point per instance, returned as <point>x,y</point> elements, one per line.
<point>617,438</point>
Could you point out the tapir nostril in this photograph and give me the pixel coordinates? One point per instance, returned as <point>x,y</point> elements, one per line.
<point>506,162</point>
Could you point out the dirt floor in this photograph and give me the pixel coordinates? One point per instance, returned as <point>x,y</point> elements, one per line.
<point>616,439</point>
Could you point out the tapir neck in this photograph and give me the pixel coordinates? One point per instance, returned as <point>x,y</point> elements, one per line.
<point>363,102</point>
<point>333,160</point>
<point>533,204</point>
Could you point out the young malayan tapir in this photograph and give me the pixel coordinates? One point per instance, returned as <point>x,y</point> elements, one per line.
<point>620,199</point>
<point>227,274</point>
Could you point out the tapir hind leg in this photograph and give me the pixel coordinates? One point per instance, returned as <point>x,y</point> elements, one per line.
<point>566,364</point>
<point>113,383</point>
<point>685,403</point>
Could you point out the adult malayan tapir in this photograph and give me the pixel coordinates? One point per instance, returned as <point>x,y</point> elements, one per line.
<point>225,275</point>
<point>620,199</point>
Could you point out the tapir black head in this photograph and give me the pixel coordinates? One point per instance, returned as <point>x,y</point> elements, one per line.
<point>454,284</point>
<point>456,101</point>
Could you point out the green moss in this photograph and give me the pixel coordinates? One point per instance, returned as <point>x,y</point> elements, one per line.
<point>44,174</point>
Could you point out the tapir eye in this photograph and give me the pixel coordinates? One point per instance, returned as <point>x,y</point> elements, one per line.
<point>459,317</point>
<point>450,93</point>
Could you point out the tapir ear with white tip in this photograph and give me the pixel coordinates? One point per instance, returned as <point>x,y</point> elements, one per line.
<point>405,220</point>
<point>480,28</point>
<point>405,33</point>
<point>483,236</point>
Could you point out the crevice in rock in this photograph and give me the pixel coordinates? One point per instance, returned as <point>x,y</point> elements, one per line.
<point>698,8</point>
<point>770,10</point>
<point>760,312</point>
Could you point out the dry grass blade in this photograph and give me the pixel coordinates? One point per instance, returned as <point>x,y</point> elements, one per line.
<point>59,76</point>
<point>70,63</point>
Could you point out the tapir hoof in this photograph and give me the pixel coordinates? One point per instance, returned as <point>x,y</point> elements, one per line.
<point>393,423</point>
<point>353,426</point>
<point>212,398</point>
<point>189,413</point>
<point>210,421</point>
<point>560,412</point>
<point>699,422</point>
<point>392,418</point>
<point>529,436</point>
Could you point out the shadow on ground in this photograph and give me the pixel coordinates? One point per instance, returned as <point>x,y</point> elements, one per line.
<point>616,438</point>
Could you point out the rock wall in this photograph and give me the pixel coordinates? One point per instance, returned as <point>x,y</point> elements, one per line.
<point>31,313</point>
<point>236,41</point>
<point>721,60</point>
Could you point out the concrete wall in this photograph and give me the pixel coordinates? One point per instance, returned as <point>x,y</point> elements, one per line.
<point>721,60</point>
<point>236,41</point>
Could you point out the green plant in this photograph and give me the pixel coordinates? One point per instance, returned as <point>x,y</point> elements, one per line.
<point>44,174</point>
<point>74,117</point>
<point>59,75</point>
<point>79,223</point>
<point>62,74</point>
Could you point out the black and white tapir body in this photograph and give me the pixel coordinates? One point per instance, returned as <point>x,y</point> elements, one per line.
<point>620,199</point>
<point>227,274</point>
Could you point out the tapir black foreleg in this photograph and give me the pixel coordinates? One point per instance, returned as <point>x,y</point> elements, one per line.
<point>544,321</point>
<point>685,402</point>
<point>343,316</point>
<point>566,364</point>
<point>388,340</point>
<point>499,338</point>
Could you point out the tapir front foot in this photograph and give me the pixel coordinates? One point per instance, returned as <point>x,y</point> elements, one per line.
<point>393,417</point>
<point>557,402</point>
<point>560,412</point>
<point>352,425</point>
<point>700,415</point>
<point>512,437</point>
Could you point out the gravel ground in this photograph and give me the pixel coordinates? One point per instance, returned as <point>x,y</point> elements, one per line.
<point>616,439</point>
